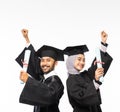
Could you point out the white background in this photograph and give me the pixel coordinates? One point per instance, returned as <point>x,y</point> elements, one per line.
<point>59,23</point>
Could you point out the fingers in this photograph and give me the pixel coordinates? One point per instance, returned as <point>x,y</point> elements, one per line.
<point>98,73</point>
<point>104,34</point>
<point>100,70</point>
<point>23,76</point>
<point>25,32</point>
<point>25,35</point>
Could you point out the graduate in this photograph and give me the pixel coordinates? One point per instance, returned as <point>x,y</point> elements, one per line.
<point>43,93</point>
<point>83,85</point>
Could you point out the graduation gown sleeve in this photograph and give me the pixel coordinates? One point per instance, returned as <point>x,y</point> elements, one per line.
<point>106,59</point>
<point>33,68</point>
<point>43,94</point>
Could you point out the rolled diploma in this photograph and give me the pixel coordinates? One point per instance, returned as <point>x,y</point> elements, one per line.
<point>26,60</point>
<point>99,65</point>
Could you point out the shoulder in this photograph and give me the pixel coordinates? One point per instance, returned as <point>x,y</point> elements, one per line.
<point>54,79</point>
<point>77,78</point>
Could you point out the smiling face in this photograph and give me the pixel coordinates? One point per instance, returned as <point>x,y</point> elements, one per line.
<point>79,62</point>
<point>47,64</point>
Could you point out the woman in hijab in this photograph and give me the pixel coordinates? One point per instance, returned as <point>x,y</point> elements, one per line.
<point>83,86</point>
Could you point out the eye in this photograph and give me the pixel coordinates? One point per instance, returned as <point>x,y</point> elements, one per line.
<point>79,59</point>
<point>48,60</point>
<point>42,60</point>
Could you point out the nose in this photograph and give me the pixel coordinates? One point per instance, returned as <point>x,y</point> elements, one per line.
<point>82,62</point>
<point>44,63</point>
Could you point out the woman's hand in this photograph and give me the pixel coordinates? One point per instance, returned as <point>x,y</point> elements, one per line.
<point>98,73</point>
<point>104,36</point>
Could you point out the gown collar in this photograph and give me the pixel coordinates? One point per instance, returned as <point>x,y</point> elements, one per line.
<point>50,74</point>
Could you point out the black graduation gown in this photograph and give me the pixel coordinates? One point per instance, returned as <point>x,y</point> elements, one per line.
<point>44,95</point>
<point>81,91</point>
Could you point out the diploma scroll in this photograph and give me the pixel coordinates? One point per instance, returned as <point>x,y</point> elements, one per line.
<point>26,60</point>
<point>99,62</point>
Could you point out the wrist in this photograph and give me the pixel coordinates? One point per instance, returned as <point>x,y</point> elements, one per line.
<point>27,40</point>
<point>104,43</point>
<point>97,81</point>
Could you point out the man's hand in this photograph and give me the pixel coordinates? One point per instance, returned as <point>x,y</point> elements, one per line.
<point>98,73</point>
<point>25,35</point>
<point>23,76</point>
<point>104,36</point>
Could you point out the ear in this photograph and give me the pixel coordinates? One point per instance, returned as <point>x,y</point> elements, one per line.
<point>56,62</point>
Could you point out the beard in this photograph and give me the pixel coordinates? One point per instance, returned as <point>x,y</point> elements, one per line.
<point>46,68</point>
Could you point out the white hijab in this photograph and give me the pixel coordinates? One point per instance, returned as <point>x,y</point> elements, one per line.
<point>70,64</point>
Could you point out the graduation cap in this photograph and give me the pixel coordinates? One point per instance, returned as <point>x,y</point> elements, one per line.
<point>73,50</point>
<point>50,51</point>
